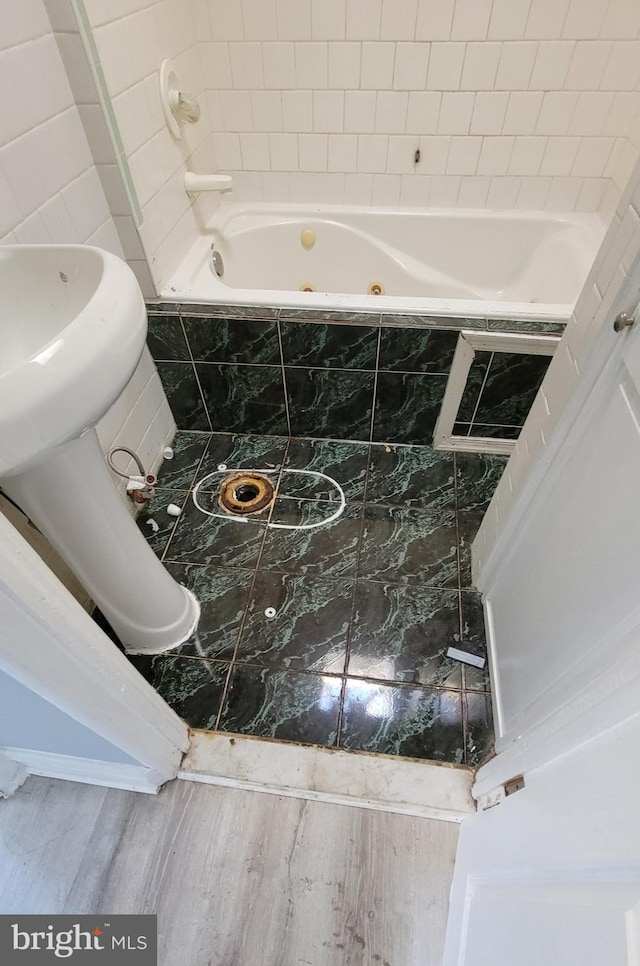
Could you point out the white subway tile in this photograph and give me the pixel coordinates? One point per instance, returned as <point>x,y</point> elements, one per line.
<point>473,192</point>
<point>214,108</point>
<point>246,66</point>
<point>343,152</point>
<point>434,20</point>
<point>585,20</point>
<point>259,19</point>
<point>22,22</point>
<point>359,111</point>
<point>423,112</point>
<point>443,191</point>
<point>377,66</point>
<point>587,65</point>
<point>358,189</point>
<point>410,72</point>
<point>344,66</point>
<point>471,19</point>
<point>398,20</point>
<point>56,220</point>
<point>414,192</point>
<point>592,157</point>
<point>445,66</point>
<point>556,112</point>
<point>391,112</point>
<point>297,111</point>
<point>283,150</point>
<point>19,163</point>
<point>625,106</point>
<point>303,187</point>
<point>552,65</point>
<point>279,66</point>
<point>216,65</point>
<point>275,184</point>
<point>328,19</point>
<point>330,189</point>
<point>455,112</point>
<point>563,194</point>
<point>311,65</point>
<point>508,19</point>
<point>522,112</point>
<point>328,111</point>
<point>480,66</point>
<point>591,113</point>
<point>294,19</point>
<point>533,194</point>
<point>86,204</point>
<point>129,237</point>
<point>236,110</point>
<point>266,108</point>
<point>225,20</point>
<point>622,72</point>
<point>33,231</point>
<point>66,154</point>
<point>559,156</point>
<point>546,19</point>
<point>591,194</point>
<point>372,153</point>
<point>312,152</point>
<point>495,155</point>
<point>400,155</point>
<point>503,192</point>
<point>463,155</point>
<point>254,149</point>
<point>434,152</point>
<point>227,149</point>
<point>527,156</point>
<point>516,65</point>
<point>489,112</point>
<point>363,19</point>
<point>622,20</point>
<point>386,190</point>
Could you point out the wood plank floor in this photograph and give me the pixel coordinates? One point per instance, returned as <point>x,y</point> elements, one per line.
<point>237,878</point>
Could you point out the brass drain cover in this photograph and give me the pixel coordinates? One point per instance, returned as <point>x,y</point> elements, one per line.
<point>244,493</point>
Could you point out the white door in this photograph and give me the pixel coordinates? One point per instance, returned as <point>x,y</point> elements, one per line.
<point>567,594</point>
<point>551,876</point>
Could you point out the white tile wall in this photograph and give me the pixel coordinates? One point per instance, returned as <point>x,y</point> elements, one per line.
<point>512,76</point>
<point>132,40</point>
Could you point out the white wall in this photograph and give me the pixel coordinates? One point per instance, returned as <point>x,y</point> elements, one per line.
<point>512,103</point>
<point>29,722</point>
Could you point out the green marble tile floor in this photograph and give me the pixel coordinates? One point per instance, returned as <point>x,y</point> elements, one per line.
<point>365,608</point>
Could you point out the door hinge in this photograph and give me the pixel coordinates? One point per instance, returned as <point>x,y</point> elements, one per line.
<point>497,795</point>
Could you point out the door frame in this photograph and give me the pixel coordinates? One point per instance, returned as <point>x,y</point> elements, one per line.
<point>52,646</point>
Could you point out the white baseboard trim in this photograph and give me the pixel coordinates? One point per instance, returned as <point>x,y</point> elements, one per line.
<point>329,775</point>
<point>111,774</point>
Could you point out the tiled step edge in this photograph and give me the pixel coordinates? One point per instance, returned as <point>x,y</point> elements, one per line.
<point>383,783</point>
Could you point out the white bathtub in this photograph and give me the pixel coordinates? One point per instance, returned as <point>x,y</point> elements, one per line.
<point>464,263</point>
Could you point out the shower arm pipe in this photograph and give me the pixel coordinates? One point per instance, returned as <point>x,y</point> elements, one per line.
<point>207,182</point>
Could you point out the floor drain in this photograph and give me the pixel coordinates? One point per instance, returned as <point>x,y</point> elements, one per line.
<point>245,493</point>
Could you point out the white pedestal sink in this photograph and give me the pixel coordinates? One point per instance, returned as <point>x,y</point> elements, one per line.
<point>72,330</point>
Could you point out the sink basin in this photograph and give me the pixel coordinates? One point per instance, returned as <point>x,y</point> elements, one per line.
<point>72,329</point>
<point>73,325</point>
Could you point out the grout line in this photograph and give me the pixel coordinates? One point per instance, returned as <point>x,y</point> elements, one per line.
<point>484,382</point>
<point>375,389</point>
<point>284,380</point>
<point>195,372</point>
<point>232,663</point>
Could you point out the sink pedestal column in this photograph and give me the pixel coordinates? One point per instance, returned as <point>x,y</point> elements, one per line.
<point>71,497</point>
